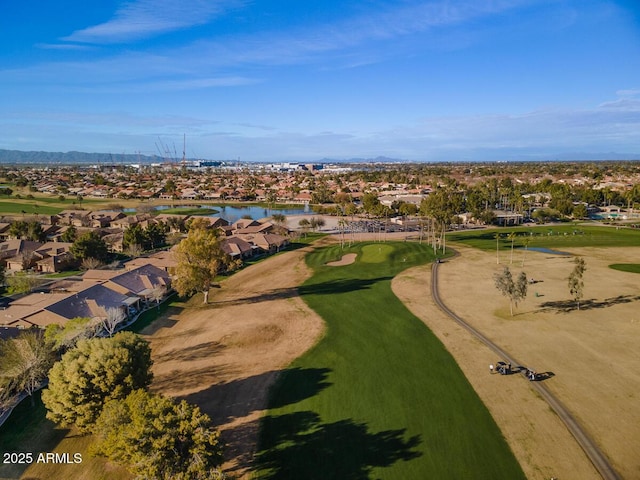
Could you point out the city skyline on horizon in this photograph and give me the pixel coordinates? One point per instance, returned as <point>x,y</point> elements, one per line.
<point>414,80</point>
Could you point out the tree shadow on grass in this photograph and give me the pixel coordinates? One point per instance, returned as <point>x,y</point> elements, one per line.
<point>184,379</point>
<point>325,288</point>
<point>195,352</point>
<point>28,430</point>
<point>564,306</point>
<point>239,398</point>
<point>298,446</point>
<point>275,294</point>
<point>340,286</point>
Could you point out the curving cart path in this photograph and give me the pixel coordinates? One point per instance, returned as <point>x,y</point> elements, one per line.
<point>600,462</point>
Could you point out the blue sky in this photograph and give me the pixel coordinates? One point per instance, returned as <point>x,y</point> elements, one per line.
<point>281,81</point>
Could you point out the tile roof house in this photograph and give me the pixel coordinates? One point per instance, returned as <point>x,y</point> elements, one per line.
<point>268,242</point>
<point>55,256</point>
<point>140,281</point>
<point>236,247</point>
<point>19,254</point>
<point>163,260</point>
<point>92,302</point>
<point>91,297</point>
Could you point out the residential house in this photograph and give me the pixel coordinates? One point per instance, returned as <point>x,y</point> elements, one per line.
<point>53,257</point>
<point>14,253</point>
<point>30,311</point>
<point>267,242</point>
<point>127,221</point>
<point>77,218</point>
<point>4,231</point>
<point>91,297</point>
<point>236,247</point>
<point>163,260</point>
<point>254,227</point>
<point>92,302</point>
<point>140,282</point>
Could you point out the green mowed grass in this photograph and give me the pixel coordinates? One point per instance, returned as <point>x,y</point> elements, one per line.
<point>379,396</point>
<point>46,205</point>
<point>190,211</point>
<point>626,267</point>
<point>550,237</point>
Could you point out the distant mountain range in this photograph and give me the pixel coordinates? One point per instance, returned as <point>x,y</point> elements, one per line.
<point>32,157</point>
<point>66,158</point>
<point>17,156</point>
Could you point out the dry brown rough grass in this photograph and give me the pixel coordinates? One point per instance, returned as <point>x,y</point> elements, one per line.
<point>592,352</point>
<point>225,356</point>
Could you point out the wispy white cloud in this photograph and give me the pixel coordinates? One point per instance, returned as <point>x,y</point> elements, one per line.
<point>630,92</point>
<point>208,63</point>
<point>145,18</point>
<point>63,46</point>
<point>307,43</point>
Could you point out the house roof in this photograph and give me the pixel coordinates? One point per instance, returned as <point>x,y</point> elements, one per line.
<point>235,246</point>
<point>27,306</point>
<point>11,248</point>
<point>90,302</point>
<point>141,280</point>
<point>95,274</point>
<point>162,260</point>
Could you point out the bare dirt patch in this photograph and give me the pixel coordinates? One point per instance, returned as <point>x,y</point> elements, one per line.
<point>347,259</point>
<point>225,356</point>
<point>592,353</point>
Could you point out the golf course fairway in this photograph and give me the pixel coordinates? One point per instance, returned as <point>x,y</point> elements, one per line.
<point>379,396</point>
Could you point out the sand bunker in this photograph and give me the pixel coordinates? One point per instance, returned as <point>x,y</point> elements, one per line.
<point>347,259</point>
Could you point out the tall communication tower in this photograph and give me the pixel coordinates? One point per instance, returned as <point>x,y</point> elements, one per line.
<point>184,148</point>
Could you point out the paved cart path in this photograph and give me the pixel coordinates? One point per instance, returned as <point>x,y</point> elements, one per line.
<point>599,460</point>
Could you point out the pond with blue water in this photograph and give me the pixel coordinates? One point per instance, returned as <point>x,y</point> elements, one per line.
<point>235,213</point>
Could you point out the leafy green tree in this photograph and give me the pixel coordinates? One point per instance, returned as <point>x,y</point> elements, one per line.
<point>155,235</point>
<point>370,202</point>
<point>65,337</point>
<point>156,438</point>
<point>35,233</point>
<point>513,290</point>
<point>90,245</point>
<point>200,258</point>
<point>576,283</point>
<point>22,282</point>
<point>407,209</point>
<point>176,224</point>
<point>25,361</point>
<point>97,370</point>
<point>69,235</point>
<point>134,235</point>
<point>18,229</point>
<point>579,211</point>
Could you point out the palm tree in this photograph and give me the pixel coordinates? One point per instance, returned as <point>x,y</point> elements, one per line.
<point>497,237</point>
<point>512,237</point>
<point>526,245</point>
<point>342,223</point>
